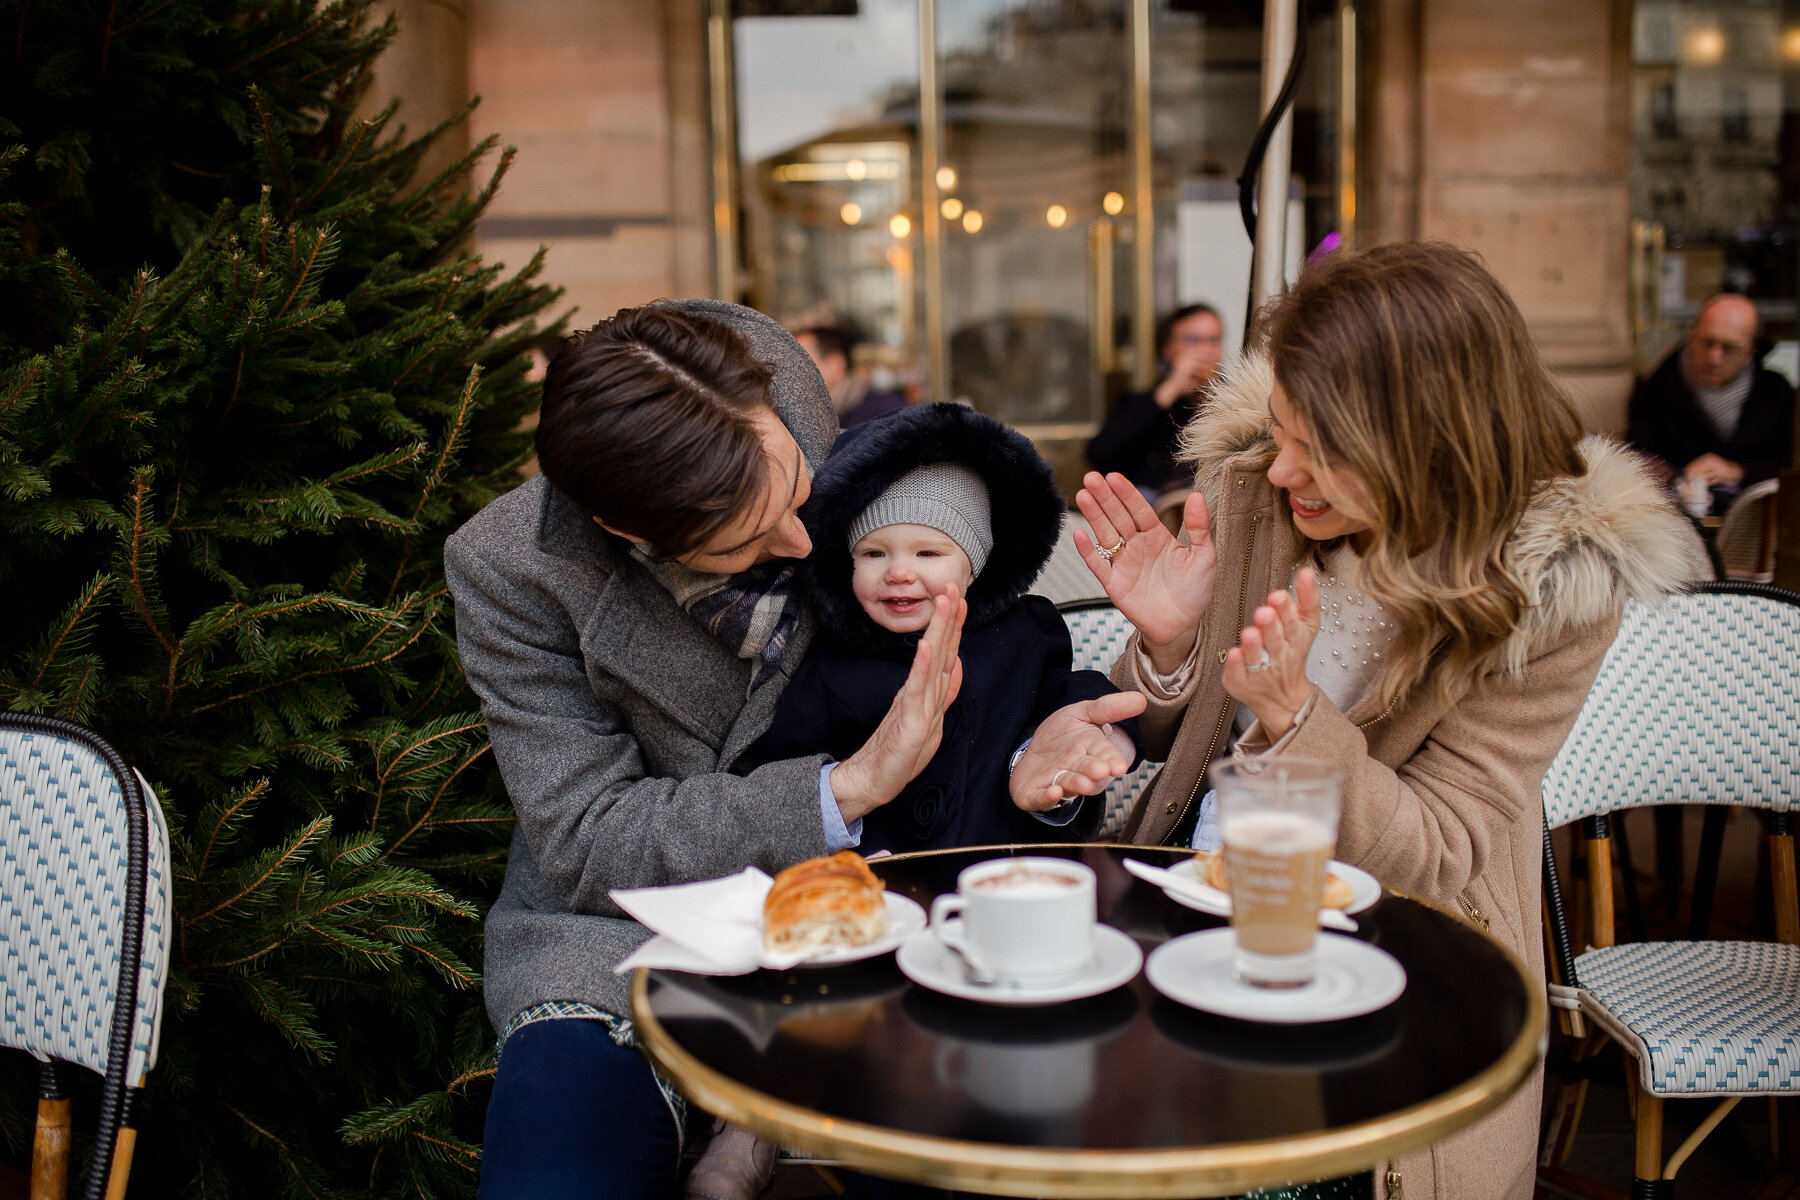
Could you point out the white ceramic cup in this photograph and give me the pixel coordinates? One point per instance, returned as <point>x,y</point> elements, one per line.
<point>1024,920</point>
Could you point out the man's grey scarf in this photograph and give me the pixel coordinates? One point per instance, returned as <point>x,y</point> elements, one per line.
<point>751,613</point>
<point>1723,406</point>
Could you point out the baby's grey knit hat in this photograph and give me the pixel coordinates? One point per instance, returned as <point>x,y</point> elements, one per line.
<point>945,496</point>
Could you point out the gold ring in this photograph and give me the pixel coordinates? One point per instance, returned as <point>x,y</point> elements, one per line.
<point>1107,552</point>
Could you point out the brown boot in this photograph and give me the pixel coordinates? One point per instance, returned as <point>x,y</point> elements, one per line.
<point>736,1166</point>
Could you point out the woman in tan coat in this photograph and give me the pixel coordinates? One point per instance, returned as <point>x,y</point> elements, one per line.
<point>1444,558</point>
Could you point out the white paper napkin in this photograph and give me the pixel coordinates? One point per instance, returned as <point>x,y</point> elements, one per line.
<point>713,927</point>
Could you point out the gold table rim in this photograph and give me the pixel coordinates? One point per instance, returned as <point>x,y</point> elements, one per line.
<point>1165,1174</point>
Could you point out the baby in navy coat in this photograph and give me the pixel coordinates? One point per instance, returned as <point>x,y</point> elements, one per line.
<point>906,505</point>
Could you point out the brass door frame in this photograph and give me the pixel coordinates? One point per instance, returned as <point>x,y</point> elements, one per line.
<point>931,229</point>
<point>1143,292</point>
<point>721,114</point>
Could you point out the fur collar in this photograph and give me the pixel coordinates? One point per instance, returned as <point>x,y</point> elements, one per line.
<point>1026,510</point>
<point>1582,548</point>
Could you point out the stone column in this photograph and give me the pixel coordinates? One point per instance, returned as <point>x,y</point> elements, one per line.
<point>427,68</point>
<point>1505,128</point>
<point>606,102</point>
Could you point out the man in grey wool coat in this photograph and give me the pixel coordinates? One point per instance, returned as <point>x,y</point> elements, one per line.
<point>627,622</point>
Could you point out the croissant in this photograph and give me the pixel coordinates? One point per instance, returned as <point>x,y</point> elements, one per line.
<point>824,904</point>
<point>1210,865</point>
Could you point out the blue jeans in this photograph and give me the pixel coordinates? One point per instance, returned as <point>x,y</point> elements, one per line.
<point>574,1116</point>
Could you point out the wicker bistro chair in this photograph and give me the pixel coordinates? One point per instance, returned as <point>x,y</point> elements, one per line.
<point>84,920</point>
<point>1099,632</point>
<point>1698,702</point>
<point>1746,538</point>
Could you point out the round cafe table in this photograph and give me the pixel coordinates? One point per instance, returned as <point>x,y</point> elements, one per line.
<point>1125,1094</point>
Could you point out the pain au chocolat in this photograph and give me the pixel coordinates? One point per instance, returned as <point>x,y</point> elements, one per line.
<point>824,904</point>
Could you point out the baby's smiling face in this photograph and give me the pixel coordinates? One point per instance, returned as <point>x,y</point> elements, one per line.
<point>896,571</point>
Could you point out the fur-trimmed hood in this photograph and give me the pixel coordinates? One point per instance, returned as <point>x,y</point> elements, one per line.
<point>1027,509</point>
<point>1582,548</point>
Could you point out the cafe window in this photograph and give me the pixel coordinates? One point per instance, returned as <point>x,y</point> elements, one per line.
<point>1715,164</point>
<point>1002,219</point>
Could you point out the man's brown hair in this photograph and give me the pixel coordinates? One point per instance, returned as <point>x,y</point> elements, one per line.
<point>647,423</point>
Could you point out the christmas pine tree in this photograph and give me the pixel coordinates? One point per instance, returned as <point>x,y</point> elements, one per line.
<point>251,375</point>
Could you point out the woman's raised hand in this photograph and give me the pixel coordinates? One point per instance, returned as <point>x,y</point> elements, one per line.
<point>909,734</point>
<point>1266,670</point>
<point>1161,584</point>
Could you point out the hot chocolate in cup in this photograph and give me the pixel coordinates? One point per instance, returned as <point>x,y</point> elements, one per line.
<point>1024,920</point>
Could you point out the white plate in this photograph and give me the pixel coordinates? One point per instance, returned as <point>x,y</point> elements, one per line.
<point>1365,889</point>
<point>1354,978</point>
<point>905,919</point>
<point>929,963</point>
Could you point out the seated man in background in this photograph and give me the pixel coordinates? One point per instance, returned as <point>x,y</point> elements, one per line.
<point>1712,411</point>
<point>854,397</point>
<point>1139,438</point>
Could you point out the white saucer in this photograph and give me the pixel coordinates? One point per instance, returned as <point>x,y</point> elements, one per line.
<point>1365,889</point>
<point>1354,978</point>
<point>929,963</point>
<point>905,919</point>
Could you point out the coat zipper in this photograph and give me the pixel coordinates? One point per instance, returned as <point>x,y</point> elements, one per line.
<point>1474,913</point>
<point>1224,712</point>
<point>1384,713</point>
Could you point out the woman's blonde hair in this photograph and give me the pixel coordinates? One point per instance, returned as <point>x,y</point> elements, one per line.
<point>1411,366</point>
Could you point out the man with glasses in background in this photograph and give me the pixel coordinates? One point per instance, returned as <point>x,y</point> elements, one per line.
<point>1142,436</point>
<point>1711,412</point>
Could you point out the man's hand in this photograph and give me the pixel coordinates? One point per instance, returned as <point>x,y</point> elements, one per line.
<point>1717,471</point>
<point>1073,753</point>
<point>1192,368</point>
<point>908,736</point>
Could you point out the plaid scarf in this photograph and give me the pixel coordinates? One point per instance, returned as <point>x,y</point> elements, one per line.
<point>751,613</point>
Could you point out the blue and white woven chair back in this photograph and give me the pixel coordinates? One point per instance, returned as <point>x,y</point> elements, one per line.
<point>1099,632</point>
<point>1695,704</point>
<point>1065,579</point>
<point>64,868</point>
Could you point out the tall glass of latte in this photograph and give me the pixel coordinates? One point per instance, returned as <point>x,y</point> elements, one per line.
<point>1278,818</point>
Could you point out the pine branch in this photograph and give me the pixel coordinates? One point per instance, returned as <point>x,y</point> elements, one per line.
<point>288,1013</point>
<point>223,822</point>
<point>278,860</point>
<point>345,669</point>
<point>344,157</point>
<point>447,965</point>
<point>148,611</point>
<point>72,628</point>
<point>453,433</point>
<point>300,1174</point>
<point>121,324</point>
<point>437,796</point>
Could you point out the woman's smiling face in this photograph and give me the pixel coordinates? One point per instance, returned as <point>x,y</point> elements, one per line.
<point>1319,513</point>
